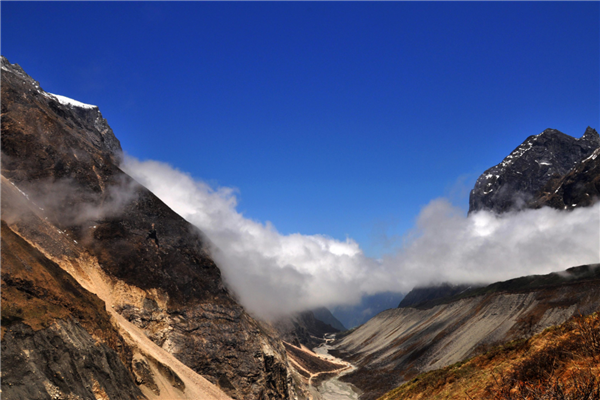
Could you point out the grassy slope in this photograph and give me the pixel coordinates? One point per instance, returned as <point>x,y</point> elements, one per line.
<point>563,362</point>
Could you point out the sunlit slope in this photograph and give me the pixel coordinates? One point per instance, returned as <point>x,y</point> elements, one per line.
<point>398,344</point>
<point>563,362</point>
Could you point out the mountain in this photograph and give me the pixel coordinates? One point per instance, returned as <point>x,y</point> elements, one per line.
<point>521,179</point>
<point>425,295</point>
<point>303,328</point>
<point>106,292</point>
<point>580,187</point>
<point>369,306</point>
<point>323,314</point>
<point>46,314</point>
<point>435,327</point>
<point>398,344</point>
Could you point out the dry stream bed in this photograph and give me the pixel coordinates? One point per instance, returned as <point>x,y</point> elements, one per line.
<point>333,388</point>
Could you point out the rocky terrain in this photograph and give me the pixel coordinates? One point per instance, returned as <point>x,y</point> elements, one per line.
<point>538,168</point>
<point>398,344</point>
<point>304,328</point>
<point>580,187</point>
<point>107,293</point>
<point>323,314</point>
<point>559,363</point>
<point>159,321</point>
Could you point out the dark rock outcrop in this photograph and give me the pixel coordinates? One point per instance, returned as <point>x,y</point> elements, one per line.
<point>64,159</point>
<point>428,295</point>
<point>323,314</point>
<point>578,188</point>
<point>521,179</point>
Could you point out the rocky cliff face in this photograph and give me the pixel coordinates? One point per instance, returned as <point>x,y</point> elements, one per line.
<point>532,171</point>
<point>70,201</point>
<point>580,187</point>
<point>56,336</point>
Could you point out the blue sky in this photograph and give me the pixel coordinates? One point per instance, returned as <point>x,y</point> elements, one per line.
<point>334,118</point>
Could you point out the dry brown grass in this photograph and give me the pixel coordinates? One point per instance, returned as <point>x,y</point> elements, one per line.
<point>561,363</point>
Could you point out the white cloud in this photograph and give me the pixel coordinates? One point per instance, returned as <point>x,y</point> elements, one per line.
<point>274,274</point>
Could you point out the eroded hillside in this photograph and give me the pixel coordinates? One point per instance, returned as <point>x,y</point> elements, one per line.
<point>560,363</point>
<point>398,344</point>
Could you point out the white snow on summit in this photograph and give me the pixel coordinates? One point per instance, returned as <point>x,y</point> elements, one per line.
<point>70,102</point>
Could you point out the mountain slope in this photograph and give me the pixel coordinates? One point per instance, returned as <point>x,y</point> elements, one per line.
<point>83,213</point>
<point>323,314</point>
<point>578,188</point>
<point>47,314</point>
<point>397,344</point>
<point>560,363</point>
<point>303,328</point>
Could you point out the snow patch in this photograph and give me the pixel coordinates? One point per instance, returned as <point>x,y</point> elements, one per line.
<point>519,151</point>
<point>65,101</point>
<point>593,156</point>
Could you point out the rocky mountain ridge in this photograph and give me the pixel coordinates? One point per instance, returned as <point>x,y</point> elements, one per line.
<point>64,194</point>
<point>521,179</point>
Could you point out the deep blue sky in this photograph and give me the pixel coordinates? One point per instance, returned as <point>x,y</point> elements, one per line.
<point>329,117</point>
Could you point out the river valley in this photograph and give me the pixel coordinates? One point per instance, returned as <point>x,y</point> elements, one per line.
<point>333,388</point>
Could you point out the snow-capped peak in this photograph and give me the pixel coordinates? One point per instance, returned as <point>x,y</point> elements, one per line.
<point>70,102</point>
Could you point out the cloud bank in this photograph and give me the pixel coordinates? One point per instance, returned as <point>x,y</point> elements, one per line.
<point>274,274</point>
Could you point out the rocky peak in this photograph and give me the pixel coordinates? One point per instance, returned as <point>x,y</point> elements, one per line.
<point>63,192</point>
<point>517,182</point>
<point>98,137</point>
<point>16,69</point>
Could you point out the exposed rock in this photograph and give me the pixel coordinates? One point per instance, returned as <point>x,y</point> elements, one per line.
<point>47,322</point>
<point>520,180</point>
<point>578,188</point>
<point>61,362</point>
<point>90,218</point>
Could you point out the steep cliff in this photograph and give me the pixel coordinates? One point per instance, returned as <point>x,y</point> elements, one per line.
<point>521,179</point>
<point>120,242</point>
